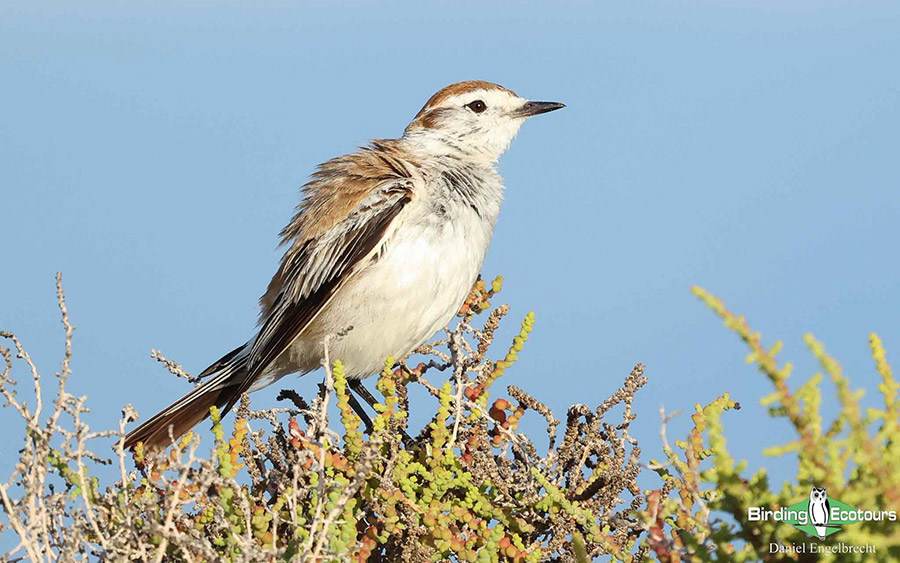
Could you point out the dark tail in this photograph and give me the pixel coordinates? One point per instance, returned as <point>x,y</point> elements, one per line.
<point>221,390</point>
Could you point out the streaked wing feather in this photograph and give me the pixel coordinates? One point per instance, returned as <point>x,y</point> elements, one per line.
<point>314,274</point>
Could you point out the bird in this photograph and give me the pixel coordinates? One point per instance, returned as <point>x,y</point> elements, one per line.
<point>819,510</point>
<point>382,251</point>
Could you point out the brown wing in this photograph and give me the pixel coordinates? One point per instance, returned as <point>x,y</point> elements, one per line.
<point>314,271</point>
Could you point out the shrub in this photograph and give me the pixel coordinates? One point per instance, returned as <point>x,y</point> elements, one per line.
<point>855,457</point>
<point>282,484</point>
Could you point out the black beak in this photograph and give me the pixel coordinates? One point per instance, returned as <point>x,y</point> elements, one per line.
<point>535,108</point>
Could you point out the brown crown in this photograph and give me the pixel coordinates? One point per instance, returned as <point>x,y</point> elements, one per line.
<point>458,89</point>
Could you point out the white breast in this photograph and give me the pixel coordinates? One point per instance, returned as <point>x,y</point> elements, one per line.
<point>412,291</point>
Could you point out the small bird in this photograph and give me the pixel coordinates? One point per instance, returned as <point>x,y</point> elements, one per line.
<point>819,510</point>
<point>382,251</point>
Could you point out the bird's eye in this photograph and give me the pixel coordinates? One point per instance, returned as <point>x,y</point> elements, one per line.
<point>477,106</point>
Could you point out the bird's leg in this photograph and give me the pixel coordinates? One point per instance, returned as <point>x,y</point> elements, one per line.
<point>357,387</point>
<point>354,404</point>
<point>359,410</point>
<point>360,389</point>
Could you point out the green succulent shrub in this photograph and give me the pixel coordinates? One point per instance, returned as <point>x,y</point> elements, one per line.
<point>288,484</point>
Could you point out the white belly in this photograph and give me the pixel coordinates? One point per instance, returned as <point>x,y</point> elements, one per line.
<point>397,303</point>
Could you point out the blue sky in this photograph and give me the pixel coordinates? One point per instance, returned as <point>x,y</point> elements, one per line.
<point>152,154</point>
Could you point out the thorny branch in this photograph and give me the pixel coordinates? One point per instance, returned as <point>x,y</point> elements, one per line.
<point>310,495</point>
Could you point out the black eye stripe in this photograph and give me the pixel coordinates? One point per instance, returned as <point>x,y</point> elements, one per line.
<point>477,106</point>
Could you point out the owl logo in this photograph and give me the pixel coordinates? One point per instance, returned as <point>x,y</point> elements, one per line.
<point>819,509</point>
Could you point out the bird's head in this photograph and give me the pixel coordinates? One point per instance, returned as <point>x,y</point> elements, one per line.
<point>473,120</point>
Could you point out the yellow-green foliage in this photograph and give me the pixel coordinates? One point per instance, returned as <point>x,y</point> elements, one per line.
<point>283,485</point>
<point>468,487</point>
<point>856,457</point>
<point>453,493</point>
